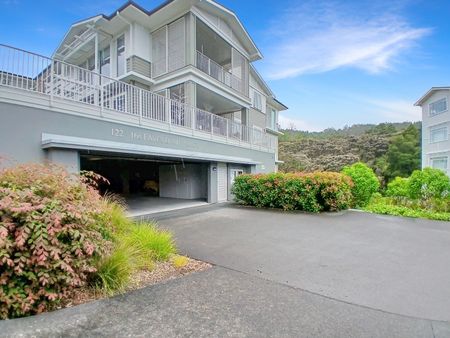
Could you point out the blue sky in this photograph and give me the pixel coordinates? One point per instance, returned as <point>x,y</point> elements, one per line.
<point>333,62</point>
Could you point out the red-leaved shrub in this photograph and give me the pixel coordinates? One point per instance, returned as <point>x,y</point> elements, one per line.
<point>51,231</point>
<point>313,192</point>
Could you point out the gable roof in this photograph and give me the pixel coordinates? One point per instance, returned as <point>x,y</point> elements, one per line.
<point>211,4</point>
<point>428,94</point>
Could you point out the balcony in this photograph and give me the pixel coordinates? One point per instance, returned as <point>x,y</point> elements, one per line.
<point>68,84</point>
<point>216,71</point>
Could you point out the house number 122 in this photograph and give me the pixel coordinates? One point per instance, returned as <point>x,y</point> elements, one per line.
<point>117,132</point>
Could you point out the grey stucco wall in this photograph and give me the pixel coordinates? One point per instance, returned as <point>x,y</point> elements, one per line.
<point>21,131</point>
<point>183,181</point>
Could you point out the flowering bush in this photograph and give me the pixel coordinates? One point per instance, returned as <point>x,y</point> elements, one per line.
<point>51,231</point>
<point>365,182</point>
<point>314,192</point>
<point>428,183</point>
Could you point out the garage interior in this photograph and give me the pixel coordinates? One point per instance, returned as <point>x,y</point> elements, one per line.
<point>150,184</point>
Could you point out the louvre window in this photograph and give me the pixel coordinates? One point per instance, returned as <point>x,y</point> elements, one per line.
<point>438,107</point>
<point>440,162</point>
<point>121,55</point>
<point>438,134</point>
<point>177,46</point>
<point>159,52</point>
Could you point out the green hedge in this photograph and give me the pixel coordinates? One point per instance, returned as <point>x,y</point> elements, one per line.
<point>313,192</point>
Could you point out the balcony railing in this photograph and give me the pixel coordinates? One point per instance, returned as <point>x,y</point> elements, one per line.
<point>59,80</point>
<point>216,71</point>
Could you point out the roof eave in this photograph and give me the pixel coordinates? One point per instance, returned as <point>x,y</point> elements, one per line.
<point>428,94</point>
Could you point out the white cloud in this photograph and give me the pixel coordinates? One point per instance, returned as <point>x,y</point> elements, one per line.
<point>297,124</point>
<point>395,110</point>
<point>320,36</point>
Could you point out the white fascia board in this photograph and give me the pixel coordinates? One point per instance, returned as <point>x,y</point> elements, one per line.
<point>428,93</point>
<point>70,142</point>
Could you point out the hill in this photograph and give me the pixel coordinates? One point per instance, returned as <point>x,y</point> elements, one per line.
<point>332,149</point>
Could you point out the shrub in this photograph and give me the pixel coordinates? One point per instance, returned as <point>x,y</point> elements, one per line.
<point>388,206</point>
<point>365,182</point>
<point>114,271</point>
<point>50,237</point>
<point>313,192</point>
<point>399,187</point>
<point>428,183</point>
<point>150,241</point>
<point>179,261</point>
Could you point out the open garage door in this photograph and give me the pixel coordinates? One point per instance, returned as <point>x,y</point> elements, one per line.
<point>147,182</point>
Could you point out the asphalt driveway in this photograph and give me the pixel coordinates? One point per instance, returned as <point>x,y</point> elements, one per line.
<point>280,275</point>
<point>398,265</point>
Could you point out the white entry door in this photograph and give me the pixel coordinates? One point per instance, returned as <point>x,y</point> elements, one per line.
<point>222,180</point>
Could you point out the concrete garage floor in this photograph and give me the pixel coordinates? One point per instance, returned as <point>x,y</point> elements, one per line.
<point>146,205</point>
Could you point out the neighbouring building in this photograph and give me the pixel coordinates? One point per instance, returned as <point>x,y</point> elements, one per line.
<point>435,128</point>
<point>163,100</point>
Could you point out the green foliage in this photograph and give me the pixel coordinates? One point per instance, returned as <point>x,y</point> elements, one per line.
<point>365,182</point>
<point>135,248</point>
<point>313,192</point>
<point>389,206</point>
<point>403,155</point>
<point>154,243</point>
<point>50,237</point>
<point>58,234</point>
<point>331,149</point>
<point>399,187</point>
<point>428,183</point>
<point>114,271</point>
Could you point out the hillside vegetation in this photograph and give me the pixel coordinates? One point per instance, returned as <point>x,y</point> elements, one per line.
<point>390,149</point>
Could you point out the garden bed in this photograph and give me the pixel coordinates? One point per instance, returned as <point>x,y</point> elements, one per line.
<point>162,272</point>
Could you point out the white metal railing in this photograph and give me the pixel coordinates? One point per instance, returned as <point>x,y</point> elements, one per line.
<point>213,69</point>
<point>35,73</point>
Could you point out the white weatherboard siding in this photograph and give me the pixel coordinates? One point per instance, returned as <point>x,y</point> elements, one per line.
<point>436,130</point>
<point>222,179</point>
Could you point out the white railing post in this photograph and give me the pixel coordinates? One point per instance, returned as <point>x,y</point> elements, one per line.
<point>140,102</point>
<point>226,128</point>
<point>168,110</point>
<point>212,125</point>
<point>52,70</point>
<point>193,111</point>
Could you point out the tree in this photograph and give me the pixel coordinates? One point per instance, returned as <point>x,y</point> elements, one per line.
<point>403,155</point>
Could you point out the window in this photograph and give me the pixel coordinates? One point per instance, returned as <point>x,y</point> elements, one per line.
<point>159,52</point>
<point>439,162</point>
<point>272,119</point>
<point>438,134</point>
<point>257,100</point>
<point>438,107</point>
<point>105,61</point>
<point>121,55</point>
<point>169,48</point>
<point>176,46</point>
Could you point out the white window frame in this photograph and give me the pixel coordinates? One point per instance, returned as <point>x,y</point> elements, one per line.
<point>439,158</point>
<point>438,128</point>
<point>254,101</point>
<point>434,102</point>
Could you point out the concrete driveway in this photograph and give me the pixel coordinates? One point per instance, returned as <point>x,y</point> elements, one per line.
<point>280,275</point>
<point>398,265</point>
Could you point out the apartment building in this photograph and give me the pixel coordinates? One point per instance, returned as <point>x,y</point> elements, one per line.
<point>163,100</point>
<point>435,128</point>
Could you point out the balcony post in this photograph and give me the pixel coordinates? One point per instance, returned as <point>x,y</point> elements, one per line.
<point>226,125</point>
<point>140,101</point>
<point>52,84</point>
<point>212,124</point>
